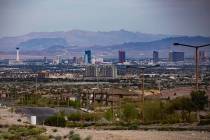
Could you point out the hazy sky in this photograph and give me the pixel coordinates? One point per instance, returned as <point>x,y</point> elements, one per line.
<point>183,17</point>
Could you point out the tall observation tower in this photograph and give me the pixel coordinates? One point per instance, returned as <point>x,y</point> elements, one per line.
<point>17,55</point>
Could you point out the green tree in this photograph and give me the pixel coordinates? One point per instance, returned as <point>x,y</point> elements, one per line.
<point>108,114</point>
<point>153,111</point>
<point>186,106</point>
<point>129,112</point>
<point>56,120</point>
<point>199,99</point>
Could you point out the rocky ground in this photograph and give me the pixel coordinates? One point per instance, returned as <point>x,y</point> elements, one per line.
<point>133,134</point>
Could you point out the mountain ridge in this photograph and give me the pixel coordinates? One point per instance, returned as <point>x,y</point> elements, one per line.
<point>70,43</point>
<point>82,38</point>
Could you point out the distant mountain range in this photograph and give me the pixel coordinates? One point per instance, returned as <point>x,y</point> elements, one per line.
<point>74,42</point>
<point>42,43</point>
<point>76,38</point>
<point>145,49</point>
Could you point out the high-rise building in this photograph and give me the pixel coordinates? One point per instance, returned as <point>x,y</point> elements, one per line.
<point>203,56</point>
<point>87,57</point>
<point>45,60</point>
<point>155,56</point>
<point>121,56</point>
<point>80,60</point>
<point>74,60</point>
<point>176,56</point>
<point>57,60</point>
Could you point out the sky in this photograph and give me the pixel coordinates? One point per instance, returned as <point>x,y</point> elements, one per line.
<point>178,17</point>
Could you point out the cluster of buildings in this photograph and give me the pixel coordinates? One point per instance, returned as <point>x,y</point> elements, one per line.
<point>88,59</point>
<point>101,71</point>
<point>59,75</point>
<point>90,68</point>
<point>174,56</point>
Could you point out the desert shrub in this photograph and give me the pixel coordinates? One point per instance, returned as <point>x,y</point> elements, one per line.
<point>19,120</point>
<point>65,137</point>
<point>89,116</point>
<point>176,111</point>
<point>108,115</point>
<point>83,117</point>
<point>74,124</point>
<point>204,122</point>
<point>40,137</point>
<point>50,136</point>
<point>153,111</point>
<point>74,117</point>
<point>73,136</point>
<point>57,138</point>
<point>185,105</point>
<point>199,99</point>
<point>88,138</point>
<point>75,104</point>
<point>171,118</point>
<point>129,112</point>
<point>26,130</point>
<point>133,126</point>
<point>22,132</point>
<point>56,120</point>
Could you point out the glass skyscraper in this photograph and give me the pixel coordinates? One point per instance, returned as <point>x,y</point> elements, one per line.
<point>176,56</point>
<point>88,57</point>
<point>155,56</point>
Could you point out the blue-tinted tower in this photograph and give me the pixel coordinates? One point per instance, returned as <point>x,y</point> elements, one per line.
<point>176,56</point>
<point>88,57</point>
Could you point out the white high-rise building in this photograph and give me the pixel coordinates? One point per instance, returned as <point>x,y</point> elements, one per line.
<point>57,60</point>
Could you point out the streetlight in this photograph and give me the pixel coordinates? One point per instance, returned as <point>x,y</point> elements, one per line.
<point>196,55</point>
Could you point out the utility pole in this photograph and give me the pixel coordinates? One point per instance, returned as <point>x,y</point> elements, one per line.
<point>196,67</point>
<point>36,84</point>
<point>196,59</point>
<point>159,86</point>
<point>142,88</point>
<point>36,96</point>
<point>142,78</point>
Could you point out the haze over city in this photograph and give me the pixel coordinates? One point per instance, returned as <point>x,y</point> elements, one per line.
<point>180,17</point>
<point>104,69</point>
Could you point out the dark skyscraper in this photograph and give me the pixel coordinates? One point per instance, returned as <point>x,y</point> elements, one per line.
<point>45,60</point>
<point>155,56</point>
<point>88,57</point>
<point>121,56</point>
<point>176,56</point>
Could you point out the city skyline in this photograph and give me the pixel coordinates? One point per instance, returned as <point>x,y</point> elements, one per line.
<point>79,69</point>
